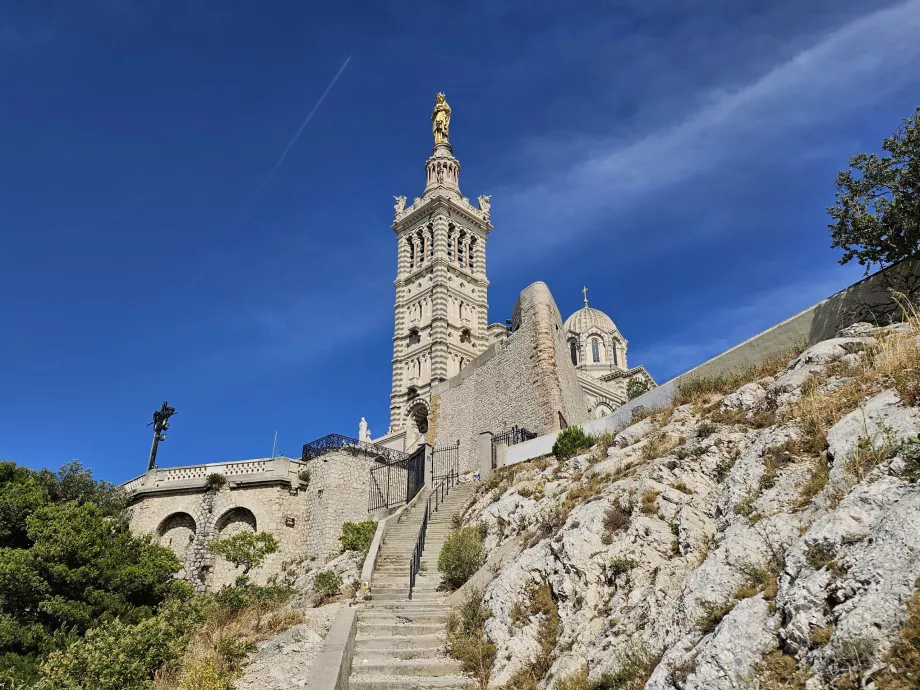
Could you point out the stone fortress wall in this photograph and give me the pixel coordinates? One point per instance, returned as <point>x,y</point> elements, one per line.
<point>268,495</point>
<point>526,379</point>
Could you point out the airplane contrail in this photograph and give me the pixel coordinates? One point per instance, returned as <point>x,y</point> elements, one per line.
<point>307,121</point>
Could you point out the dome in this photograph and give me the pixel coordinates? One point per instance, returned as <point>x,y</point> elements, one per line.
<point>587,318</point>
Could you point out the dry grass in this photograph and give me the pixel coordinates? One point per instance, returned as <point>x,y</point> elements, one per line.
<point>634,667</point>
<point>815,484</point>
<point>682,487</point>
<point>648,505</point>
<point>582,491</point>
<point>778,671</point>
<point>541,604</point>
<point>892,362</point>
<point>903,659</point>
<point>820,636</point>
<point>615,520</point>
<point>466,638</point>
<point>713,615</point>
<point>217,650</point>
<point>574,681</point>
<point>656,445</point>
<point>698,389</point>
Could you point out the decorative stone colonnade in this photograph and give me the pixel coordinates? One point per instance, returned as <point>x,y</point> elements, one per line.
<point>178,508</point>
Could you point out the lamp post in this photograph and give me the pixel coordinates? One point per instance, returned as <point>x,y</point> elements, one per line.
<point>160,425</point>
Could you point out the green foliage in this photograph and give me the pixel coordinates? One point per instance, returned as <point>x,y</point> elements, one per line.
<point>119,655</point>
<point>67,562</point>
<point>876,217</point>
<point>461,556</point>
<point>327,584</point>
<point>466,637</point>
<point>357,536</point>
<point>571,441</point>
<point>246,549</point>
<point>304,477</point>
<point>215,481</point>
<point>243,594</point>
<point>636,387</point>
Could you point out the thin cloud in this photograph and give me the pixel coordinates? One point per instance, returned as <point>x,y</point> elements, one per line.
<point>849,68</point>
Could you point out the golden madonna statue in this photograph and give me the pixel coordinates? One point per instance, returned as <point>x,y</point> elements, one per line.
<point>440,119</point>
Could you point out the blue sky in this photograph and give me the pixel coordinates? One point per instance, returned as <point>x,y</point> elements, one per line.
<point>677,161</point>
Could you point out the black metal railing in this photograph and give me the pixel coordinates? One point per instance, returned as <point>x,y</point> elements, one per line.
<point>395,483</point>
<point>444,461</point>
<point>509,437</point>
<point>438,494</point>
<point>513,436</point>
<point>336,442</point>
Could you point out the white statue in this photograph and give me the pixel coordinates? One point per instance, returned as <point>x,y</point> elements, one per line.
<point>484,204</point>
<point>400,206</point>
<point>364,434</point>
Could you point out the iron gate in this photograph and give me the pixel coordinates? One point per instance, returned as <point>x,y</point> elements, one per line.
<point>445,461</point>
<point>396,482</point>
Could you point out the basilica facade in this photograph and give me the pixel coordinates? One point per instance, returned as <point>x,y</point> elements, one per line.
<point>441,306</point>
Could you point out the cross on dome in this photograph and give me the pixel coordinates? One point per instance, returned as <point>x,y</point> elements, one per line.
<point>584,291</point>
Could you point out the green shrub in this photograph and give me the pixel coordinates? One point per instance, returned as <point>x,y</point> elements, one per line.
<point>243,594</point>
<point>215,481</point>
<point>121,656</point>
<point>357,536</point>
<point>634,667</point>
<point>327,584</point>
<point>461,556</point>
<point>571,441</point>
<point>304,477</point>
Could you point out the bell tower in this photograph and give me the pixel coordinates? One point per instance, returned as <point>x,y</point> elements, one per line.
<point>442,301</point>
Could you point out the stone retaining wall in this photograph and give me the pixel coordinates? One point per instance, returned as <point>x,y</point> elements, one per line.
<point>526,379</point>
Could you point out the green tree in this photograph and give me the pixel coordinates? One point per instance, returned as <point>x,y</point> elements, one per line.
<point>876,218</point>
<point>246,549</point>
<point>69,561</point>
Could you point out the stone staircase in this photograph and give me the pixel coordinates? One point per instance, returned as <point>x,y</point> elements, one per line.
<point>400,643</point>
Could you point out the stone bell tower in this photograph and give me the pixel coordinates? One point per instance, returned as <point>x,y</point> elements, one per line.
<point>441,286</point>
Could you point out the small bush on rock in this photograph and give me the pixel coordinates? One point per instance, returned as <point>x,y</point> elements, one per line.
<point>461,556</point>
<point>571,441</point>
<point>215,481</point>
<point>327,584</point>
<point>357,536</point>
<point>615,520</point>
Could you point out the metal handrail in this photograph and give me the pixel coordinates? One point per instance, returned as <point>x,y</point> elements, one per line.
<point>438,493</point>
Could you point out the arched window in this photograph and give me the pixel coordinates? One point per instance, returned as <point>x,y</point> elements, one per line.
<point>413,254</point>
<point>472,253</point>
<point>414,338</point>
<point>573,347</point>
<point>595,350</point>
<point>451,249</point>
<point>616,359</point>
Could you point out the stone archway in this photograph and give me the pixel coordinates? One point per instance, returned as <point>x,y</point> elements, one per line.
<point>177,532</point>
<point>232,522</point>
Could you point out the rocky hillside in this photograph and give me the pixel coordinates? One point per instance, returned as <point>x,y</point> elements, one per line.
<point>763,531</point>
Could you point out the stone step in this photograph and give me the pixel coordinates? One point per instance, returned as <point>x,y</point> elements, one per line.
<point>369,629</point>
<point>428,597</point>
<point>378,653</point>
<point>382,682</point>
<point>414,605</point>
<point>396,617</point>
<point>397,643</point>
<point>408,667</point>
